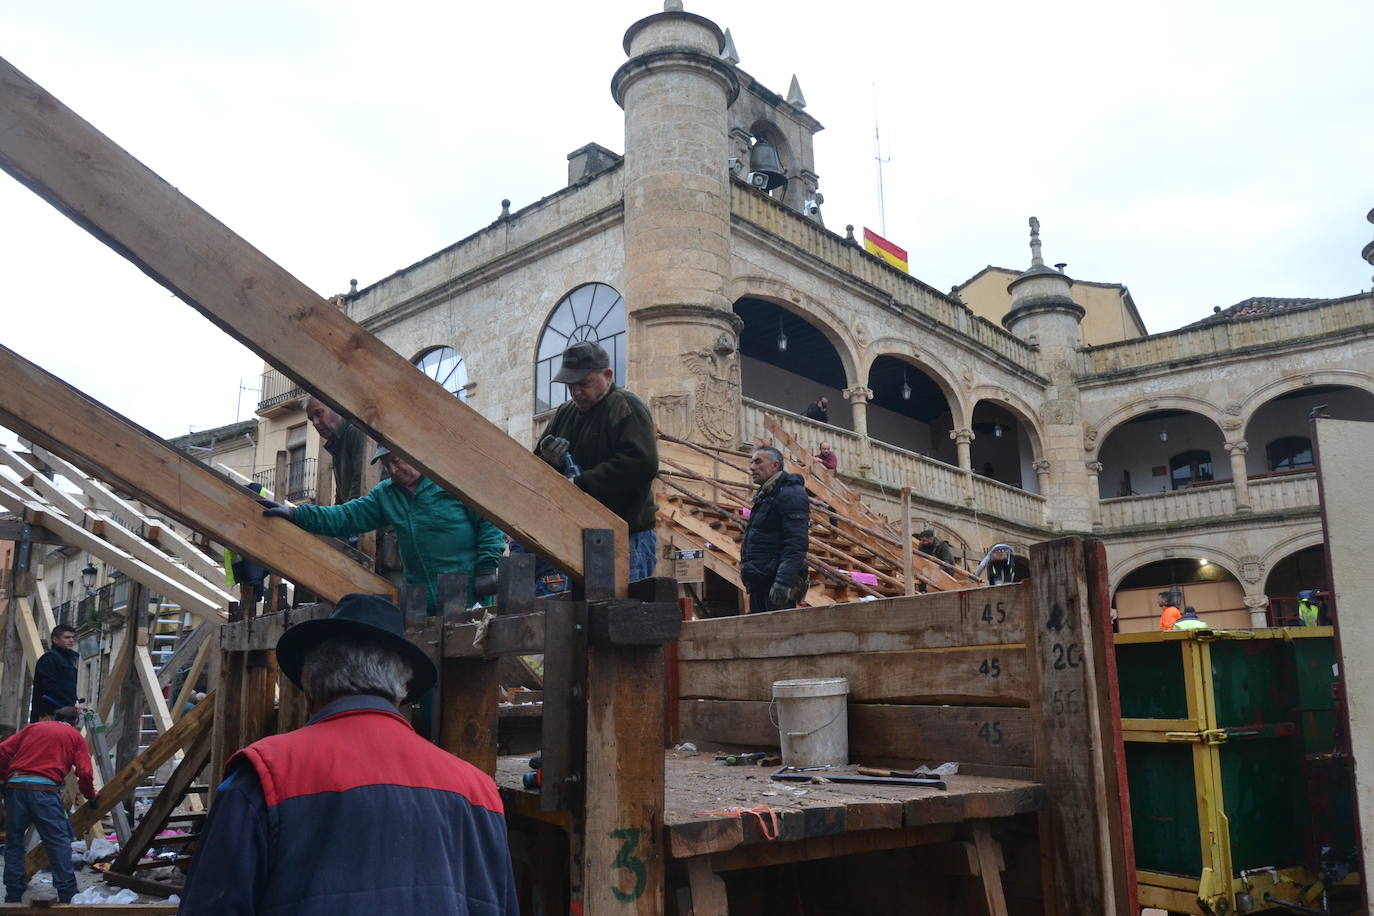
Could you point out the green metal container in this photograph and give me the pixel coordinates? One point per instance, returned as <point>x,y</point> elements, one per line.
<point>1229,759</point>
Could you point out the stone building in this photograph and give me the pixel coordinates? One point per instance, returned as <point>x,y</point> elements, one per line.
<point>1019,407</point>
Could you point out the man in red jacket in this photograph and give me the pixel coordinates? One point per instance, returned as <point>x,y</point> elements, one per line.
<point>34,763</point>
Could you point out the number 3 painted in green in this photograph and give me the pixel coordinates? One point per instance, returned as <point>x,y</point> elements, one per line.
<point>623,859</point>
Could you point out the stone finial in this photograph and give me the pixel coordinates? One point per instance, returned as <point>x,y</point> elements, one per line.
<point>353,287</point>
<point>849,236</point>
<point>728,53</point>
<point>1036,259</point>
<point>505,209</point>
<point>672,6</point>
<point>794,94</point>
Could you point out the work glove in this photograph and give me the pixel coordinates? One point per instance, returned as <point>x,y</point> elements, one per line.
<point>779,597</point>
<point>277,510</point>
<point>485,583</point>
<point>552,449</point>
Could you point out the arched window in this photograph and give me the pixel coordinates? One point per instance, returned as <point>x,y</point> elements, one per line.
<point>445,366</point>
<point>1289,453</point>
<point>593,311</point>
<point>1188,469</point>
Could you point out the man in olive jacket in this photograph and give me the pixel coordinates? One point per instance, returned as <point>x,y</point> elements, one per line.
<point>773,555</point>
<point>435,532</point>
<point>603,439</point>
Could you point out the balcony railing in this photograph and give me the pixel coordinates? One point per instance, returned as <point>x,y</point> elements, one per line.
<point>278,391</point>
<point>300,480</point>
<point>1267,494</point>
<point>895,467</point>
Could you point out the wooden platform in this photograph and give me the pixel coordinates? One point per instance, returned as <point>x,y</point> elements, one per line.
<point>696,784</point>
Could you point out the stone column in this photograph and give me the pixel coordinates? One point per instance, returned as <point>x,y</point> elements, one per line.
<point>962,439</point>
<point>1095,501</point>
<point>858,398</point>
<point>1259,610</point>
<point>682,335</point>
<point>1042,478</point>
<point>1239,478</point>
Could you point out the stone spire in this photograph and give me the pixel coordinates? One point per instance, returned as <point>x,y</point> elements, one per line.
<point>1036,259</point>
<point>1039,288</point>
<point>794,94</point>
<point>728,53</point>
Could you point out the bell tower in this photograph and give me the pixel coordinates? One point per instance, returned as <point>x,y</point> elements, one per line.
<point>676,90</point>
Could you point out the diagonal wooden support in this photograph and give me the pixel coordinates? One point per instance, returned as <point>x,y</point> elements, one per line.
<point>81,172</point>
<point>145,834</point>
<point>47,411</point>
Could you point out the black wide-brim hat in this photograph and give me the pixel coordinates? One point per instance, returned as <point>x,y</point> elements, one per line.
<point>369,617</point>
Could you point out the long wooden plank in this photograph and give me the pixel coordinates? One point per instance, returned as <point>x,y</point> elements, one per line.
<point>29,637</point>
<point>106,527</point>
<point>152,690</point>
<point>51,413</point>
<point>1067,641</point>
<point>984,676</point>
<point>84,174</point>
<point>971,617</point>
<point>163,748</point>
<point>155,818</point>
<point>989,735</point>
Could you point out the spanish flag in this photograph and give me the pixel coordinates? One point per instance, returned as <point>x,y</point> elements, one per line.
<point>875,244</point>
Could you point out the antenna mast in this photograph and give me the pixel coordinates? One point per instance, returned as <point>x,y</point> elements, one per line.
<point>878,157</point>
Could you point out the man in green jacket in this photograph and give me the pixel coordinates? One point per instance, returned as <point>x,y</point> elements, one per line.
<point>604,440</point>
<point>435,532</point>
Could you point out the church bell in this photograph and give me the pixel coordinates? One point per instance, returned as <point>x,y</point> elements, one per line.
<point>765,166</point>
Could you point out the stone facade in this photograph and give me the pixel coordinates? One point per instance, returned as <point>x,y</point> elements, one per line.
<point>685,241</point>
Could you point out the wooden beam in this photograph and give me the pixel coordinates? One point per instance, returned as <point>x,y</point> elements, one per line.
<point>102,188</point>
<point>1067,639</point>
<point>163,748</point>
<point>12,530</point>
<point>47,411</point>
<point>189,685</point>
<point>29,638</point>
<point>152,690</point>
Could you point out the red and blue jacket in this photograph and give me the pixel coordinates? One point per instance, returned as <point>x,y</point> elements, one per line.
<point>354,813</point>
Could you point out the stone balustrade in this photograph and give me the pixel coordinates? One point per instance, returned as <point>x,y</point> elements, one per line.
<point>1267,494</point>
<point>1288,326</point>
<point>894,467</point>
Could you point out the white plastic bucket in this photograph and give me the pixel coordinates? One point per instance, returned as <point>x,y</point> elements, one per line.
<point>812,721</point>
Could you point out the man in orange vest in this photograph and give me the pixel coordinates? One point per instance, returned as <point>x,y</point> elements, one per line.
<point>1168,609</point>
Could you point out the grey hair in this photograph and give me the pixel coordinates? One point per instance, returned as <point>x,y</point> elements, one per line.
<point>772,452</point>
<point>349,665</point>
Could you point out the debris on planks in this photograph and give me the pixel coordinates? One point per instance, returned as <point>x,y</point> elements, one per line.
<point>854,553</point>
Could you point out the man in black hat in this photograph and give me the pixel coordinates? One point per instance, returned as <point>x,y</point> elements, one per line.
<point>604,440</point>
<point>934,545</point>
<point>354,812</point>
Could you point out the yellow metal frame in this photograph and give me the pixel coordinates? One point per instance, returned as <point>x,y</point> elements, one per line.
<point>1214,894</point>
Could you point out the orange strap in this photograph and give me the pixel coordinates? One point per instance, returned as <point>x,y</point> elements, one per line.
<point>757,811</point>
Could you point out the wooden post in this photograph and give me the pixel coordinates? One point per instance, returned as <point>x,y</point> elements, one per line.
<point>14,679</point>
<point>623,852</point>
<point>907,572</point>
<point>130,701</point>
<point>468,691</point>
<point>1076,743</point>
<point>228,705</point>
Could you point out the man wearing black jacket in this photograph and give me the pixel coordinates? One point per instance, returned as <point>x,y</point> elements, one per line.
<point>54,677</point>
<point>773,555</point>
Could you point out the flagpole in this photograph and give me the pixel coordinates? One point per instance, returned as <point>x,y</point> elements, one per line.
<point>878,156</point>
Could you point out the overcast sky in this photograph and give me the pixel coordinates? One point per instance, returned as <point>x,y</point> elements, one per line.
<point>1200,153</point>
